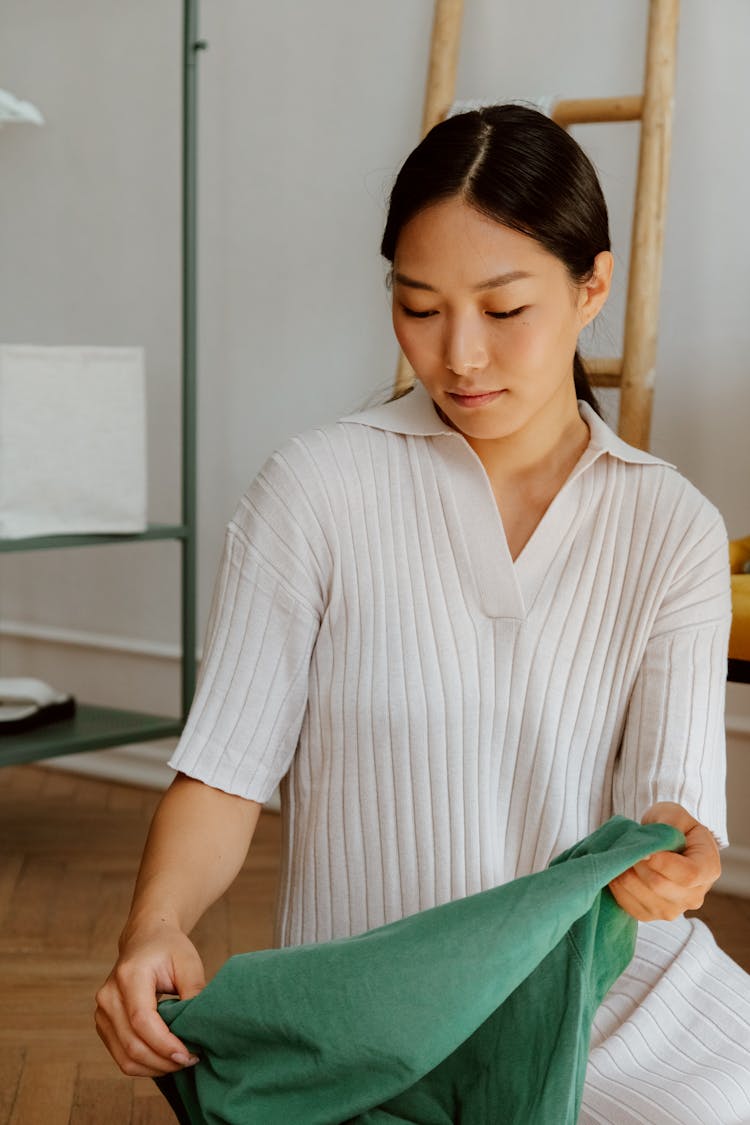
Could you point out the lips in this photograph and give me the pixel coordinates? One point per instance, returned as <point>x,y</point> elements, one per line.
<point>475,399</point>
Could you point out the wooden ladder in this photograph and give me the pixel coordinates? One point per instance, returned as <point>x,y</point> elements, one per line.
<point>633,373</point>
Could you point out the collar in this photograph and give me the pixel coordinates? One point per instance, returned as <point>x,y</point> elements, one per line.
<point>415,413</point>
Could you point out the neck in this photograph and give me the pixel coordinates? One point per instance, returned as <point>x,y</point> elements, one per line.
<point>548,446</point>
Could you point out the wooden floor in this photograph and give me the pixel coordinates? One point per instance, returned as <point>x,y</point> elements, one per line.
<point>69,850</point>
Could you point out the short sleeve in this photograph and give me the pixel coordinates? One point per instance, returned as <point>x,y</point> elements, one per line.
<point>250,701</point>
<point>674,743</point>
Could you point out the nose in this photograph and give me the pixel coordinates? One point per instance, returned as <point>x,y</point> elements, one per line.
<point>465,345</point>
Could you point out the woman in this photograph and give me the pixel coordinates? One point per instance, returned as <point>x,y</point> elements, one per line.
<point>462,629</point>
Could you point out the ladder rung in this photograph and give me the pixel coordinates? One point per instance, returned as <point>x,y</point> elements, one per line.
<point>603,371</point>
<point>588,111</point>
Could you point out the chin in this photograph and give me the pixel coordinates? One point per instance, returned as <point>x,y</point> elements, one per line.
<point>486,432</point>
<point>486,421</point>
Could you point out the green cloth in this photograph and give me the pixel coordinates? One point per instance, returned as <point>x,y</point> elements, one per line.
<point>477,1011</point>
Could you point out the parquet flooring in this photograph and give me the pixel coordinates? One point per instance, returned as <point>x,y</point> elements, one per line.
<point>69,851</point>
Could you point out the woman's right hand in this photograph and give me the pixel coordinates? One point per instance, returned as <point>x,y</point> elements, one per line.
<point>196,845</point>
<point>153,961</point>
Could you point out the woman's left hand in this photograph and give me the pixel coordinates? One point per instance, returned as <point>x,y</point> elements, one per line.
<point>668,883</point>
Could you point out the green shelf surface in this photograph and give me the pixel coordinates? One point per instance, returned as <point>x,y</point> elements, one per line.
<point>51,542</point>
<point>91,728</point>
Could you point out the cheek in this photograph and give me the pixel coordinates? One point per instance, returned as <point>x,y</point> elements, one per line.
<point>526,345</point>
<point>416,339</point>
<point>538,341</point>
<point>402,332</point>
<point>400,326</point>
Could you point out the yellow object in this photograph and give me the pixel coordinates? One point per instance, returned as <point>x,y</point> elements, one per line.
<point>739,638</point>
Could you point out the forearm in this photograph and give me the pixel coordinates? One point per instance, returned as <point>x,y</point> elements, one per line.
<point>196,845</point>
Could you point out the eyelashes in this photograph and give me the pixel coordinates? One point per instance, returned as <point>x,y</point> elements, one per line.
<point>506,315</point>
<point>433,312</point>
<point>415,314</point>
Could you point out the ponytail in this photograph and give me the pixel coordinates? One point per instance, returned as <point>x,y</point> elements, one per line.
<point>583,387</point>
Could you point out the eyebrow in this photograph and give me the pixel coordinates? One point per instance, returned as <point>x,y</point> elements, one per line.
<point>490,283</point>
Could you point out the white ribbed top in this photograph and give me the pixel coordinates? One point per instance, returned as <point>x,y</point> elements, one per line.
<point>444,718</point>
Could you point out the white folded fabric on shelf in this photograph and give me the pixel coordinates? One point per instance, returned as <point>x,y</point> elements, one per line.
<point>27,703</point>
<point>72,440</point>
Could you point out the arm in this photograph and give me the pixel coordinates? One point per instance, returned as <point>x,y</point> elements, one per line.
<point>241,735</point>
<point>671,766</point>
<point>196,845</point>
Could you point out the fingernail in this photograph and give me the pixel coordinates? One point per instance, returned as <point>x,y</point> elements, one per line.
<point>184,1060</point>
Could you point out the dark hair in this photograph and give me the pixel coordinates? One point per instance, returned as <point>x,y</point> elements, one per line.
<point>516,165</point>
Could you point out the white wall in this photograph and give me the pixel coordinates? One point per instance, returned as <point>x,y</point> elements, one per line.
<point>306,111</point>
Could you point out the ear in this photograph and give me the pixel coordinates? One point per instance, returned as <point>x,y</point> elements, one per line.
<point>594,292</point>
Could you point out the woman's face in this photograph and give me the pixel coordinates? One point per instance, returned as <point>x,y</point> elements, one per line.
<point>482,310</point>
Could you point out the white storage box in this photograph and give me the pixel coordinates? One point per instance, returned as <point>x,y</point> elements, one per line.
<point>72,440</point>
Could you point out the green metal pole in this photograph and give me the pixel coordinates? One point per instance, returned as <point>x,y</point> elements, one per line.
<point>189,349</point>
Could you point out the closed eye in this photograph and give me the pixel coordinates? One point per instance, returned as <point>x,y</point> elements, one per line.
<point>422,315</point>
<point>506,315</point>
<point>419,315</point>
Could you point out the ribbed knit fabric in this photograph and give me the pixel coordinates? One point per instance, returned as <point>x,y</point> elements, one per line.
<point>671,1043</point>
<point>443,718</point>
<point>437,1018</point>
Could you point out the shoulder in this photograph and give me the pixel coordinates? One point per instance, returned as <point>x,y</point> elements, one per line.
<point>676,503</point>
<point>311,479</point>
<point>678,544</point>
<point>670,488</point>
<point>664,501</point>
<point>669,527</point>
<point>323,457</point>
<point>363,440</point>
<point>316,458</point>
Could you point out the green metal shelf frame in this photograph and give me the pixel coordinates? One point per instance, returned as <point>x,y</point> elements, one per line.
<point>52,542</point>
<point>95,728</point>
<point>91,728</point>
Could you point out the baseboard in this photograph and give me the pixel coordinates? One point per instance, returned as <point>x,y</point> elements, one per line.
<point>737,725</point>
<point>146,765</point>
<point>147,671</point>
<point>143,765</point>
<point>735,868</point>
<point>78,638</point>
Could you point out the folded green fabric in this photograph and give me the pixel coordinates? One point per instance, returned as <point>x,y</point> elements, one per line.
<point>477,1011</point>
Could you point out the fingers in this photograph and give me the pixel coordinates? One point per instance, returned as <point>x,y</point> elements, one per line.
<point>667,812</point>
<point>638,900</point>
<point>686,872</point>
<point>667,884</point>
<point>127,1020</point>
<point>657,898</point>
<point>131,1051</point>
<point>699,865</point>
<point>190,978</point>
<point>133,1032</point>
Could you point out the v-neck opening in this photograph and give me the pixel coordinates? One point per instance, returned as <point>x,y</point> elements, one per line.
<point>587,457</point>
<point>507,587</point>
<point>582,462</point>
